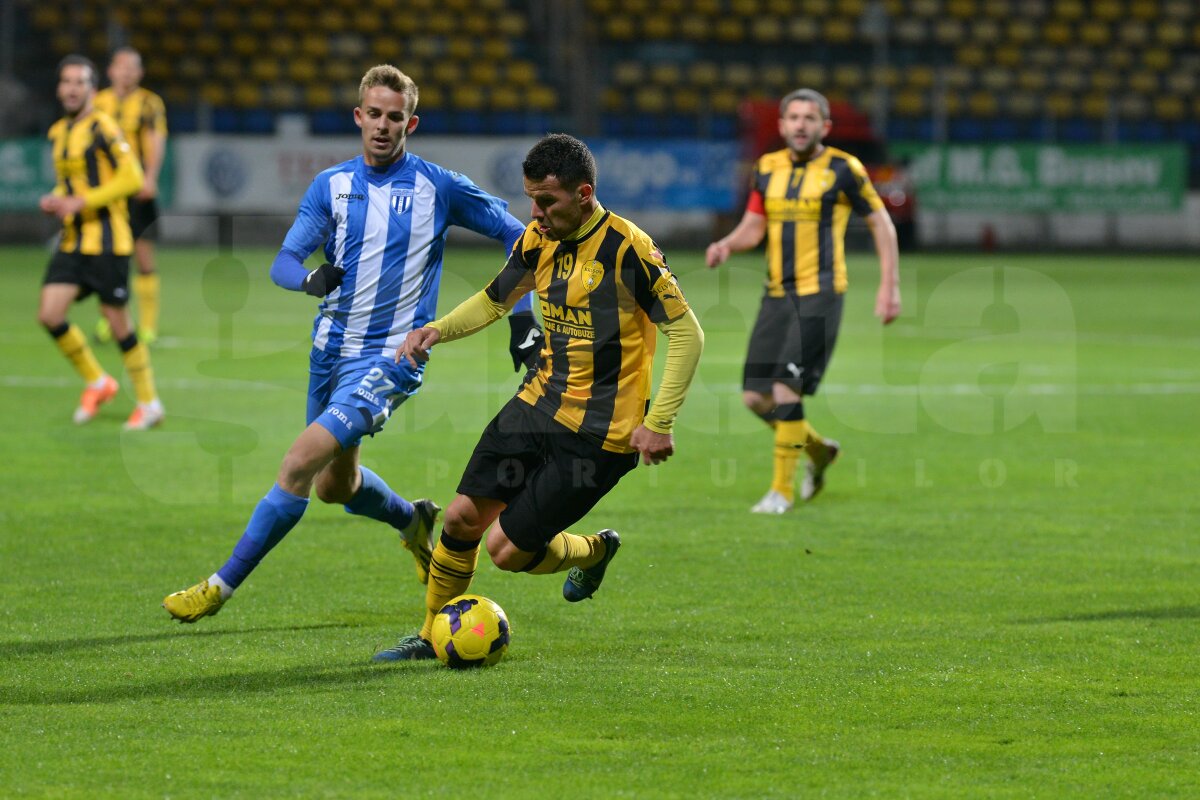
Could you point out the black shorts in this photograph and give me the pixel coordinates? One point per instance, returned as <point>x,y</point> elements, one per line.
<point>792,342</point>
<point>548,475</point>
<point>142,216</point>
<point>107,275</point>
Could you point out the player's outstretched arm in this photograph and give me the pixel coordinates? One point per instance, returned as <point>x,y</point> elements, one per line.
<point>748,233</point>
<point>685,343</point>
<point>416,346</point>
<point>887,300</point>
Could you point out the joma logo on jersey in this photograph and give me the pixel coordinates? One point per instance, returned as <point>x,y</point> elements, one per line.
<point>567,314</point>
<point>402,200</point>
<point>351,196</point>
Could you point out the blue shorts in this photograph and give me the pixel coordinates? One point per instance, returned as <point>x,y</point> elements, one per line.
<point>353,397</point>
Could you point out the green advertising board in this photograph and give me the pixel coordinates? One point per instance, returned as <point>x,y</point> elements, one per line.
<point>27,173</point>
<point>1037,177</point>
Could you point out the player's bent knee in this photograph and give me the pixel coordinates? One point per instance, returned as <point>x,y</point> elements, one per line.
<point>506,555</point>
<point>333,492</point>
<point>757,402</point>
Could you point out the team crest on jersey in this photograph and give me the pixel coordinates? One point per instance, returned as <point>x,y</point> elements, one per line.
<point>591,274</point>
<point>402,200</point>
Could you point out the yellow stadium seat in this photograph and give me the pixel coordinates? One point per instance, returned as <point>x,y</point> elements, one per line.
<point>620,27</point>
<point>1108,10</point>
<point>729,29</point>
<point>284,96</point>
<point>919,76</point>
<point>1133,106</point>
<point>667,74</point>
<point>803,29</point>
<point>1023,104</point>
<point>1060,104</point>
<point>724,101</point>
<point>214,94</point>
<point>1095,32</point>
<point>1170,108</point>
<point>230,70</point>
<point>1068,9</point>
<point>1118,58</point>
<point>207,44</point>
<point>910,103</point>
<point>613,100</point>
<point>766,29</point>
<point>686,101</point>
<point>1070,80</point>
<point>927,8</point>
<point>972,55</point>
<point>303,72</point>
<point>949,32</point>
<point>911,30</point>
<point>658,26</point>
<point>447,72</point>
<point>1103,80</point>
<point>460,49</point>
<point>245,44</point>
<point>1182,82</point>
<point>957,78</point>
<point>1157,58</point>
<point>505,98</point>
<point>1143,9</point>
<point>996,79</point>
<point>1095,105</point>
<point>695,28</point>
<point>246,95</point>
<point>47,17</point>
<point>985,30</point>
<point>983,104</point>
<point>816,8</point>
<point>1143,82</point>
<point>1058,33</point>
<point>1171,33</point>
<point>431,96</point>
<point>512,24</point>
<point>775,78</point>
<point>497,49</point>
<point>283,45</point>
<point>227,19</point>
<point>812,76</point>
<point>521,73</point>
<point>601,7</point>
<point>1021,31</point>
<point>1133,32</point>
<point>963,9</point>
<point>848,76</point>
<point>1032,80</point>
<point>1008,56</point>
<point>738,75</point>
<point>541,98</point>
<point>744,8</point>
<point>998,9</point>
<point>467,98</point>
<point>483,73</point>
<point>629,73</point>
<point>839,30</point>
<point>265,70</point>
<point>704,74</point>
<point>1178,9</point>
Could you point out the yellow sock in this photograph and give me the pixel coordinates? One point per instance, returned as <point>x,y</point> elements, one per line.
<point>450,574</point>
<point>145,289</point>
<point>792,437</point>
<point>567,550</point>
<point>137,364</point>
<point>74,346</point>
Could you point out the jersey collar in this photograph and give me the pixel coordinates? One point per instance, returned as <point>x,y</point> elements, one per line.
<point>585,230</point>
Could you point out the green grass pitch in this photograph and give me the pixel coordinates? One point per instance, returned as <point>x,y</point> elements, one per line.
<point>996,595</point>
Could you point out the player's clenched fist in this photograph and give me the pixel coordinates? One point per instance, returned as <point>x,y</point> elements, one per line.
<point>417,345</point>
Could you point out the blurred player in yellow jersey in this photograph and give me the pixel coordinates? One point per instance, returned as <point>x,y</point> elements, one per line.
<point>800,199</point>
<point>143,117</point>
<point>96,172</point>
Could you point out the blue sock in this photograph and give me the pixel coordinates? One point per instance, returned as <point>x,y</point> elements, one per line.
<point>376,500</point>
<point>273,517</point>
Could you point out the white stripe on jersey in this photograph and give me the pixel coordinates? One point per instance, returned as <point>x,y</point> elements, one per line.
<point>420,239</point>
<point>339,188</point>
<point>370,268</point>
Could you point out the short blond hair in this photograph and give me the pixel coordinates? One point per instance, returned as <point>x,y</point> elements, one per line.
<point>392,78</point>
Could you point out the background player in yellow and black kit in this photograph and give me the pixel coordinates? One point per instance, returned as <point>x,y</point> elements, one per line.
<point>801,199</point>
<point>96,172</point>
<point>580,422</point>
<point>143,117</point>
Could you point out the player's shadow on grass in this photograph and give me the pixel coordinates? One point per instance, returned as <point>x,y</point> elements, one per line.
<point>1169,612</point>
<point>56,646</point>
<point>313,676</point>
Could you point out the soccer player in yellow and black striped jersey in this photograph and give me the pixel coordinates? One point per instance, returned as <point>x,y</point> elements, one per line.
<point>581,421</point>
<point>143,118</point>
<point>800,199</point>
<point>96,172</point>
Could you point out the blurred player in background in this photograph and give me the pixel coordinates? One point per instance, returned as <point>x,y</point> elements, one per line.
<point>96,172</point>
<point>143,118</point>
<point>581,421</point>
<point>801,198</point>
<point>382,218</point>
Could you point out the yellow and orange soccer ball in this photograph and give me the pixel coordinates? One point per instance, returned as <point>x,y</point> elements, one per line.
<point>470,631</point>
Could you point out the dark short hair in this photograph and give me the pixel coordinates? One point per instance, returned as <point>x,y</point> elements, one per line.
<point>564,157</point>
<point>75,60</point>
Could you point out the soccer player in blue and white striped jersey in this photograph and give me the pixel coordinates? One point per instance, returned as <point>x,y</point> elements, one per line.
<point>382,219</point>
